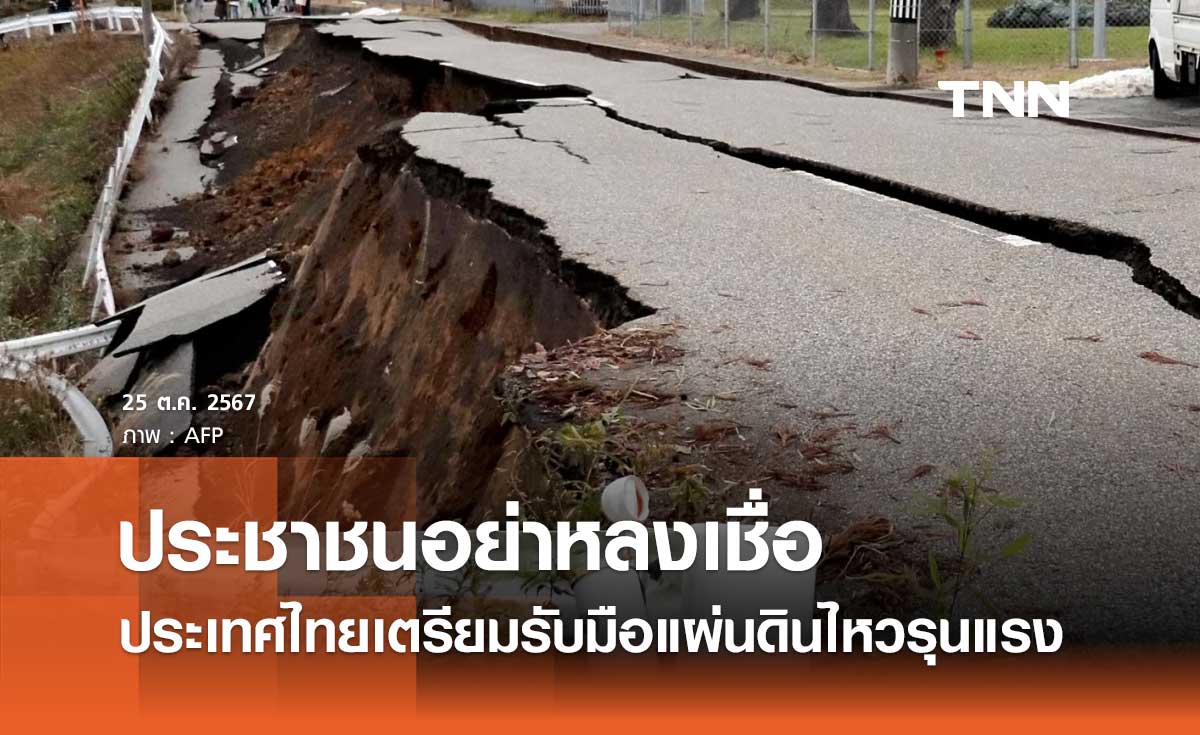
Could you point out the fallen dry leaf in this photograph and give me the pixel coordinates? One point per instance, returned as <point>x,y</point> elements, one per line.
<point>919,310</point>
<point>1089,338</point>
<point>1161,359</point>
<point>793,479</point>
<point>968,334</point>
<point>882,431</point>
<point>710,431</point>
<point>921,470</point>
<point>786,434</point>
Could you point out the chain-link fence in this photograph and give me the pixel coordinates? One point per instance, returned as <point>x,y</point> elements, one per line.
<point>586,8</point>
<point>846,30</point>
<point>854,33</point>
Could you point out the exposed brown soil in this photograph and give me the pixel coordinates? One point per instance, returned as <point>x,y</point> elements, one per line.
<point>293,145</point>
<point>424,319</point>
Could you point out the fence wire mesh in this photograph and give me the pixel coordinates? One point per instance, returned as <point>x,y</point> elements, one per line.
<point>1012,34</point>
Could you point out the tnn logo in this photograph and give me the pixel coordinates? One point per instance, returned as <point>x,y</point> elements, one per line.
<point>1021,103</point>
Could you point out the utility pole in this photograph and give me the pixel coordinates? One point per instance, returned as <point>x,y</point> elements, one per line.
<point>903,45</point>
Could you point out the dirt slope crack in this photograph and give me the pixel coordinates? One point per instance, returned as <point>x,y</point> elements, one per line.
<point>607,297</point>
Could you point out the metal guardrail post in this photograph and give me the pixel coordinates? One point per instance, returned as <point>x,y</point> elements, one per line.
<point>871,34</point>
<point>1073,36</point>
<point>1100,30</point>
<point>726,23</point>
<point>812,33</point>
<point>766,27</point>
<point>968,35</point>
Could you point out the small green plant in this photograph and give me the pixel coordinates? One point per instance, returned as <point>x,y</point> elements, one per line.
<point>689,497</point>
<point>576,459</point>
<point>962,506</point>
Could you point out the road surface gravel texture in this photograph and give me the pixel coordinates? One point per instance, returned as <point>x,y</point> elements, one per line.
<point>968,340</point>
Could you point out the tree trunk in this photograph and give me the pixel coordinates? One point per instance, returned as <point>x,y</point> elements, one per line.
<point>833,18</point>
<point>743,9</point>
<point>938,19</point>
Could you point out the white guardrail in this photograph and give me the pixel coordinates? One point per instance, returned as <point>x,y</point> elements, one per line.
<point>112,17</point>
<point>18,357</point>
<point>106,207</point>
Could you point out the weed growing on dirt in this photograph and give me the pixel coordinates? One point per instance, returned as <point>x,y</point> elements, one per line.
<point>33,425</point>
<point>961,508</point>
<point>575,459</point>
<point>689,496</point>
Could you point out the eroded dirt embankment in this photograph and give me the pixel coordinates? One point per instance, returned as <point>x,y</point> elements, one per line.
<point>415,294</point>
<point>410,289</point>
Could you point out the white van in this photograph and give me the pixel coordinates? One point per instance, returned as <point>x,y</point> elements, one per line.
<point>1175,46</point>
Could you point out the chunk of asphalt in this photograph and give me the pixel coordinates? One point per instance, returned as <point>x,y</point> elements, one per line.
<point>109,377</point>
<point>186,309</point>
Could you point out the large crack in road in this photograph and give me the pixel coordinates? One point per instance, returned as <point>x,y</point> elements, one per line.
<point>470,231</point>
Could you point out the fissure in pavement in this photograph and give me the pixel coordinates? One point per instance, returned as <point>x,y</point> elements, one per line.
<point>1074,237</point>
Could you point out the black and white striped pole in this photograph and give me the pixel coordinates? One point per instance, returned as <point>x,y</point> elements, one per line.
<point>903,46</point>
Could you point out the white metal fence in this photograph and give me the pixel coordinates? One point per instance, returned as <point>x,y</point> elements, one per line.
<point>106,206</point>
<point>113,18</point>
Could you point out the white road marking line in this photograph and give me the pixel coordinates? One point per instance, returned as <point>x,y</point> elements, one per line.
<point>1010,240</point>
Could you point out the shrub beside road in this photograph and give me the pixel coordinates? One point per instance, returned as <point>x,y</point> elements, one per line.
<point>65,102</point>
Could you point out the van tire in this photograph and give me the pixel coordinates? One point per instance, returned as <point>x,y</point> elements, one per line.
<point>1164,88</point>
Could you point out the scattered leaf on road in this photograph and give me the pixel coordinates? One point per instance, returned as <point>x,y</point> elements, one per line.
<point>968,334</point>
<point>920,471</point>
<point>885,432</point>
<point>1161,359</point>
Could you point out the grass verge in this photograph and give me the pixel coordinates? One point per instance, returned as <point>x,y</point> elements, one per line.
<point>1005,53</point>
<point>67,100</point>
<point>66,103</point>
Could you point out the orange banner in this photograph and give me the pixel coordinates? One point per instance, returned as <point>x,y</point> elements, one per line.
<point>64,594</point>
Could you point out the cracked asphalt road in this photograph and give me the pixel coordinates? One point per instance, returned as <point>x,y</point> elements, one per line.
<point>1116,182</point>
<point>823,280</point>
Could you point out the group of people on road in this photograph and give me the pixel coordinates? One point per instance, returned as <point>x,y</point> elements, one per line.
<point>234,9</point>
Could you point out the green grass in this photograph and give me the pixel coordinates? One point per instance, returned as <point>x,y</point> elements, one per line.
<point>516,15</point>
<point>54,154</point>
<point>791,40</point>
<point>32,424</point>
<point>67,100</point>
